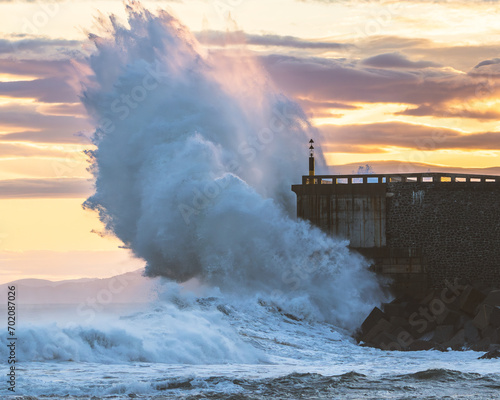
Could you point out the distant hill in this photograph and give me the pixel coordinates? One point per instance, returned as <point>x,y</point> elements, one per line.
<point>130,287</point>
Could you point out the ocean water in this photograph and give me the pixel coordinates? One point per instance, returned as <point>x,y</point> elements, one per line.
<point>217,348</point>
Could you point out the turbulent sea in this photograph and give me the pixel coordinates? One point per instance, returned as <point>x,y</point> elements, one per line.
<point>211,348</point>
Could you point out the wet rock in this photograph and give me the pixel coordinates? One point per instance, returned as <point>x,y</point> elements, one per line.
<point>443,333</point>
<point>471,333</point>
<point>490,354</point>
<point>381,326</point>
<point>457,342</point>
<point>372,319</point>
<point>470,299</point>
<point>495,317</point>
<point>482,318</point>
<point>493,298</point>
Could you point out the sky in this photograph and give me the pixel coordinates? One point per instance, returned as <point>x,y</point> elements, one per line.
<point>408,82</point>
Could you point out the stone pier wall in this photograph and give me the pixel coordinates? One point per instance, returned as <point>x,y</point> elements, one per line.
<point>455,225</point>
<point>420,230</point>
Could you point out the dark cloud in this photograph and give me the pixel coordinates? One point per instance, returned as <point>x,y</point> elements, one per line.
<point>488,62</point>
<point>219,38</point>
<point>36,45</point>
<point>396,60</point>
<point>39,127</point>
<point>344,81</point>
<point>441,112</point>
<point>38,68</point>
<point>487,69</point>
<point>405,135</point>
<point>48,90</point>
<point>461,57</point>
<point>44,188</point>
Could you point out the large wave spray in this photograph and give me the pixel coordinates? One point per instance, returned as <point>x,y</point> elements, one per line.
<point>195,156</point>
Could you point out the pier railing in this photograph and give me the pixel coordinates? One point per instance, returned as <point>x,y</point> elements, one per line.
<point>430,177</point>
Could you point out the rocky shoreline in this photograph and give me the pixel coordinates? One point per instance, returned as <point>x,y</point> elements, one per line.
<point>459,316</point>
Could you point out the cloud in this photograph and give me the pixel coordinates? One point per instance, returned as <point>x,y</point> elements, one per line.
<point>8,150</point>
<point>459,57</point>
<point>488,62</point>
<point>219,38</point>
<point>38,68</point>
<point>400,134</point>
<point>39,45</point>
<point>54,135</point>
<point>487,68</point>
<point>44,188</point>
<point>48,90</point>
<point>396,60</point>
<point>27,124</point>
<point>450,112</point>
<point>345,81</point>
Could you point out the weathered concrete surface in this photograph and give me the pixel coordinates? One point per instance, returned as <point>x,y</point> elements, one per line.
<point>419,233</point>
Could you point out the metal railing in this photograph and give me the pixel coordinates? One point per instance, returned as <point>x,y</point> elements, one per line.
<point>428,177</point>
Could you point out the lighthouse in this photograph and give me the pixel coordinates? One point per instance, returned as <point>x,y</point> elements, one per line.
<point>311,158</point>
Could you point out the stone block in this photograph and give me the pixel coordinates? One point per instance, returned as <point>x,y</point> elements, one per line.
<point>471,333</point>
<point>470,299</point>
<point>448,317</point>
<point>381,326</point>
<point>443,333</point>
<point>404,338</point>
<point>491,333</point>
<point>483,345</point>
<point>493,298</point>
<point>372,319</point>
<point>482,318</point>
<point>386,341</point>
<point>457,342</point>
<point>394,309</point>
<point>495,317</point>
<point>420,345</point>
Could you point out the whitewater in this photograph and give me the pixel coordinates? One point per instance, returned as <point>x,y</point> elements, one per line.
<point>195,153</point>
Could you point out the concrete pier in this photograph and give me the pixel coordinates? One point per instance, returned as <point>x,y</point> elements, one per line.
<point>419,229</point>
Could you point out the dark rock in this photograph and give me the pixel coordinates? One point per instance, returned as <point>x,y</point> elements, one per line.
<point>493,334</point>
<point>386,341</point>
<point>403,337</point>
<point>449,317</point>
<point>457,342</point>
<point>381,326</point>
<point>470,299</point>
<point>495,317</point>
<point>420,345</point>
<point>471,333</point>
<point>483,345</point>
<point>443,333</point>
<point>493,298</point>
<point>482,318</point>
<point>490,354</point>
<point>462,321</point>
<point>394,309</point>
<point>372,319</point>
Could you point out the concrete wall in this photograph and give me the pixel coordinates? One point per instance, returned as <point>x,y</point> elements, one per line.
<point>419,233</point>
<point>354,212</point>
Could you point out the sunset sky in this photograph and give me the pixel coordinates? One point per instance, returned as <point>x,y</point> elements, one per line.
<point>409,81</point>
